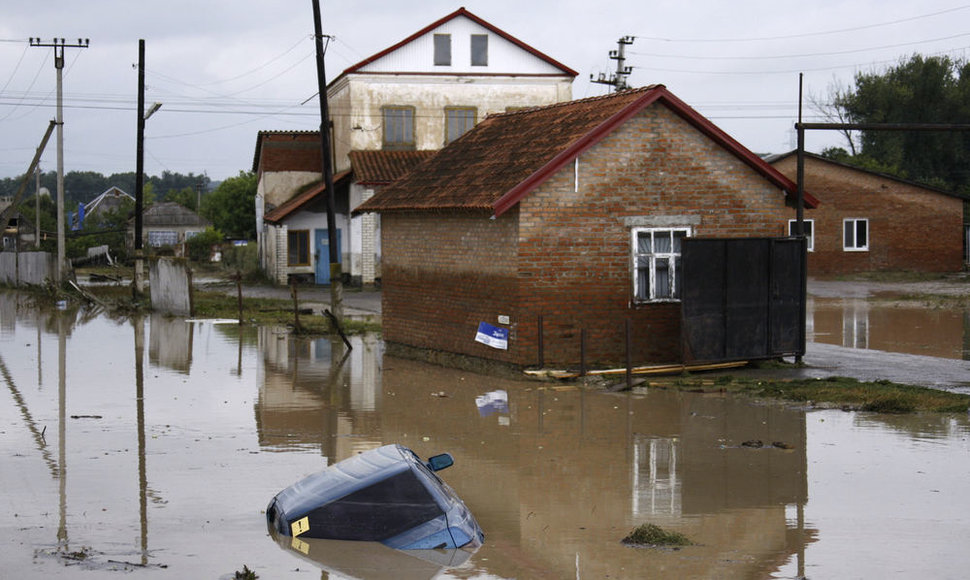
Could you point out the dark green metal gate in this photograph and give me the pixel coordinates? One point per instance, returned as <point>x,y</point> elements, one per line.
<point>743,299</point>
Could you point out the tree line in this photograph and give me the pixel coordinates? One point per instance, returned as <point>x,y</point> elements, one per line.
<point>83,186</point>
<point>229,206</point>
<point>921,89</point>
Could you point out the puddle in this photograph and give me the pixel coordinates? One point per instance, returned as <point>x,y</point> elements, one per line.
<point>137,447</point>
<point>890,326</point>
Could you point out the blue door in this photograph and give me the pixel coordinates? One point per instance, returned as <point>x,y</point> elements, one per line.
<point>322,245</point>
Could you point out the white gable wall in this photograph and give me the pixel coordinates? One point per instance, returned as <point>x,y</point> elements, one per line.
<point>504,57</point>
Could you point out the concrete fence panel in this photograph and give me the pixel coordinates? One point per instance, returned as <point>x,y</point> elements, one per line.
<point>170,284</point>
<point>8,268</point>
<point>35,268</point>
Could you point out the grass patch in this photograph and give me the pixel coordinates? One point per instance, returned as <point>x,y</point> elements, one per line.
<point>273,311</point>
<point>878,396</point>
<point>654,535</point>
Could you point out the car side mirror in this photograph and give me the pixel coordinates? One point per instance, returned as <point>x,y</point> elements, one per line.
<point>439,462</point>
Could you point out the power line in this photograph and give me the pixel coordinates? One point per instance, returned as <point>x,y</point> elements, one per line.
<point>809,55</point>
<point>808,34</point>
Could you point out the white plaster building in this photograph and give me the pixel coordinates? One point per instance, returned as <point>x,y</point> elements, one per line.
<point>415,96</point>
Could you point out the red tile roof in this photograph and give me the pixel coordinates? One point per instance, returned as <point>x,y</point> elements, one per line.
<point>383,167</point>
<point>298,201</point>
<point>508,155</point>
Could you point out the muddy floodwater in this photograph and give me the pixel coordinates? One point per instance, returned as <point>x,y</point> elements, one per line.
<point>150,448</point>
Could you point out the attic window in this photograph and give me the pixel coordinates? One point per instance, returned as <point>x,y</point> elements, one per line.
<point>479,50</point>
<point>442,50</point>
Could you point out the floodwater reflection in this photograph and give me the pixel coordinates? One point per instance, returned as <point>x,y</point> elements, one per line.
<point>890,326</point>
<point>153,463</point>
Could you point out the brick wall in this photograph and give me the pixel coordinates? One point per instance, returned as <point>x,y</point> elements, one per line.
<point>910,228</point>
<point>565,252</point>
<point>442,275</point>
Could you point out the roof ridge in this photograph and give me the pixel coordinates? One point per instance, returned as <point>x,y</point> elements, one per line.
<point>587,100</point>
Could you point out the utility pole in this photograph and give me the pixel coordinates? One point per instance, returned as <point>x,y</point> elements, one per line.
<point>58,44</point>
<point>336,275</point>
<point>37,210</point>
<point>618,79</point>
<point>138,285</point>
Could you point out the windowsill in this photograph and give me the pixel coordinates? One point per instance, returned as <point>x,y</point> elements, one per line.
<point>856,250</point>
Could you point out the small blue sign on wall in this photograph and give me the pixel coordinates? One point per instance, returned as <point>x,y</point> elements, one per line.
<point>493,336</point>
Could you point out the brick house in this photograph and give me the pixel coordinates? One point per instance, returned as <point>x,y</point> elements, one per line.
<point>415,96</point>
<point>573,212</point>
<point>871,221</point>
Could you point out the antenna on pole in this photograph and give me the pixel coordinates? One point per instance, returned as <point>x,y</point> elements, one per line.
<point>618,79</point>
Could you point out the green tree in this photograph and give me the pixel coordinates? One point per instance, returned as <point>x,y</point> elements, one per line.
<point>920,90</point>
<point>231,206</point>
<point>186,197</point>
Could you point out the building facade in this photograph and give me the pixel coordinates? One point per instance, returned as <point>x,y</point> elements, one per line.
<point>417,95</point>
<point>868,221</point>
<point>567,224</point>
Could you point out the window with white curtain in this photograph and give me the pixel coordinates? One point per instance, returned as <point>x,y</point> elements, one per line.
<point>657,263</point>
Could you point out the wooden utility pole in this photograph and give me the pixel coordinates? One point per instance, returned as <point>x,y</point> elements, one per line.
<point>58,44</point>
<point>138,282</point>
<point>336,275</point>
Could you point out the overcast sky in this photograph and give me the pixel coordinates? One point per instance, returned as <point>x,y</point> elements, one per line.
<point>225,70</point>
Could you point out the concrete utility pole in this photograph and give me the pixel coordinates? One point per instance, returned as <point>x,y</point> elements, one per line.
<point>618,79</point>
<point>58,44</point>
<point>336,275</point>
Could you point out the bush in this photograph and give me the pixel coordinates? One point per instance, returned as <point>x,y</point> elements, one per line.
<point>199,246</point>
<point>241,258</point>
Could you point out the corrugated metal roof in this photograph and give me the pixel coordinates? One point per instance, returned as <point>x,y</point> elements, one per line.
<point>169,213</point>
<point>508,155</point>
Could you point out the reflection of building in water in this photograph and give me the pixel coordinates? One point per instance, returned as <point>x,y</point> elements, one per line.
<point>855,324</point>
<point>905,327</point>
<point>170,343</point>
<point>574,464</point>
<point>317,394</point>
<point>656,487</point>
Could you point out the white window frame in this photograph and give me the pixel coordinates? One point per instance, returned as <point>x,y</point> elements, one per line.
<point>673,259</point>
<point>809,231</point>
<point>853,244</point>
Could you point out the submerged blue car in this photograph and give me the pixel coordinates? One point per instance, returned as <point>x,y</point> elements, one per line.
<point>388,495</point>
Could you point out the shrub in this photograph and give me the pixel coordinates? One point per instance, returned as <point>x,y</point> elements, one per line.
<point>199,246</point>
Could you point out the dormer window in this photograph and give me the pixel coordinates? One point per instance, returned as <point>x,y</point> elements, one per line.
<point>442,50</point>
<point>479,50</point>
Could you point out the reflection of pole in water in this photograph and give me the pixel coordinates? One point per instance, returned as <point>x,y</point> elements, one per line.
<point>40,372</point>
<point>139,325</point>
<point>62,426</point>
<point>37,434</point>
<point>239,353</point>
